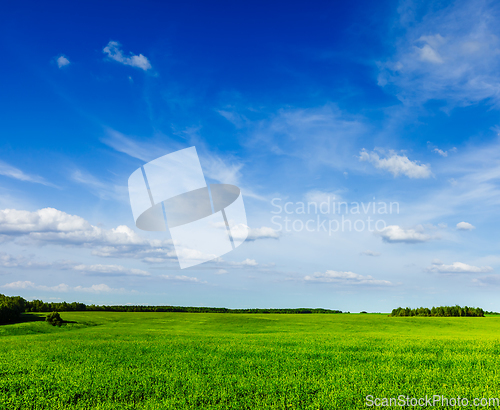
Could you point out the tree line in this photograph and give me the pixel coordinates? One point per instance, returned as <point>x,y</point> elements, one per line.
<point>10,308</point>
<point>40,306</point>
<point>440,311</point>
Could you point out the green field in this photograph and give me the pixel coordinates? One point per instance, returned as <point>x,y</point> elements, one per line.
<point>244,361</point>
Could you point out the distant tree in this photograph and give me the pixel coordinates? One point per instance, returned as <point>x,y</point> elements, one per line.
<point>54,319</point>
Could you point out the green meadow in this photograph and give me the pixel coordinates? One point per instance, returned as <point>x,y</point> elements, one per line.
<point>107,360</point>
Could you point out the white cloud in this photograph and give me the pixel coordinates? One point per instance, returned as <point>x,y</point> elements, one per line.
<point>99,188</point>
<point>440,152</point>
<point>318,197</point>
<point>345,278</point>
<point>320,135</point>
<point>465,226</point>
<point>370,253</point>
<point>12,172</point>
<point>10,261</point>
<point>489,280</point>
<point>225,170</point>
<point>449,53</point>
<point>249,262</point>
<point>221,272</point>
<point>457,267</point>
<point>114,52</point>
<point>396,164</point>
<point>261,233</point>
<point>143,150</point>
<point>182,278</point>
<point>111,270</point>
<point>23,262</point>
<point>395,234</point>
<point>427,53</point>
<point>50,225</point>
<point>62,61</point>
<point>242,231</point>
<point>100,288</point>
<point>13,221</point>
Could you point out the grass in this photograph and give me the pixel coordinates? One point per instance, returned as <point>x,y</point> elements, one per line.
<point>243,361</point>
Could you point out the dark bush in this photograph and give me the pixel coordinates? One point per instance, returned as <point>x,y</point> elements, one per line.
<point>54,319</point>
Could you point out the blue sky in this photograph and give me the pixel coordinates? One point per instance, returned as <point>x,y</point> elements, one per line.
<point>330,101</point>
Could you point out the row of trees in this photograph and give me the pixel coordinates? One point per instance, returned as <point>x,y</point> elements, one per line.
<point>10,308</point>
<point>442,311</point>
<point>40,306</point>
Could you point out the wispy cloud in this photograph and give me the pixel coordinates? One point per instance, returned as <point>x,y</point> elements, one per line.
<point>21,261</point>
<point>103,190</point>
<point>457,267</point>
<point>182,278</point>
<point>114,52</point>
<point>370,253</point>
<point>15,173</point>
<point>100,288</point>
<point>345,278</point>
<point>224,169</point>
<point>439,151</point>
<point>325,135</point>
<point>449,53</point>
<point>110,270</point>
<point>488,280</point>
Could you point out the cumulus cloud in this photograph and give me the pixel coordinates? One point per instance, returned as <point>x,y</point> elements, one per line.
<point>396,164</point>
<point>16,222</point>
<point>465,226</point>
<point>114,52</point>
<point>370,253</point>
<point>13,172</point>
<point>50,225</point>
<point>345,278</point>
<point>62,61</point>
<point>395,234</point>
<point>457,267</point>
<point>100,288</point>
